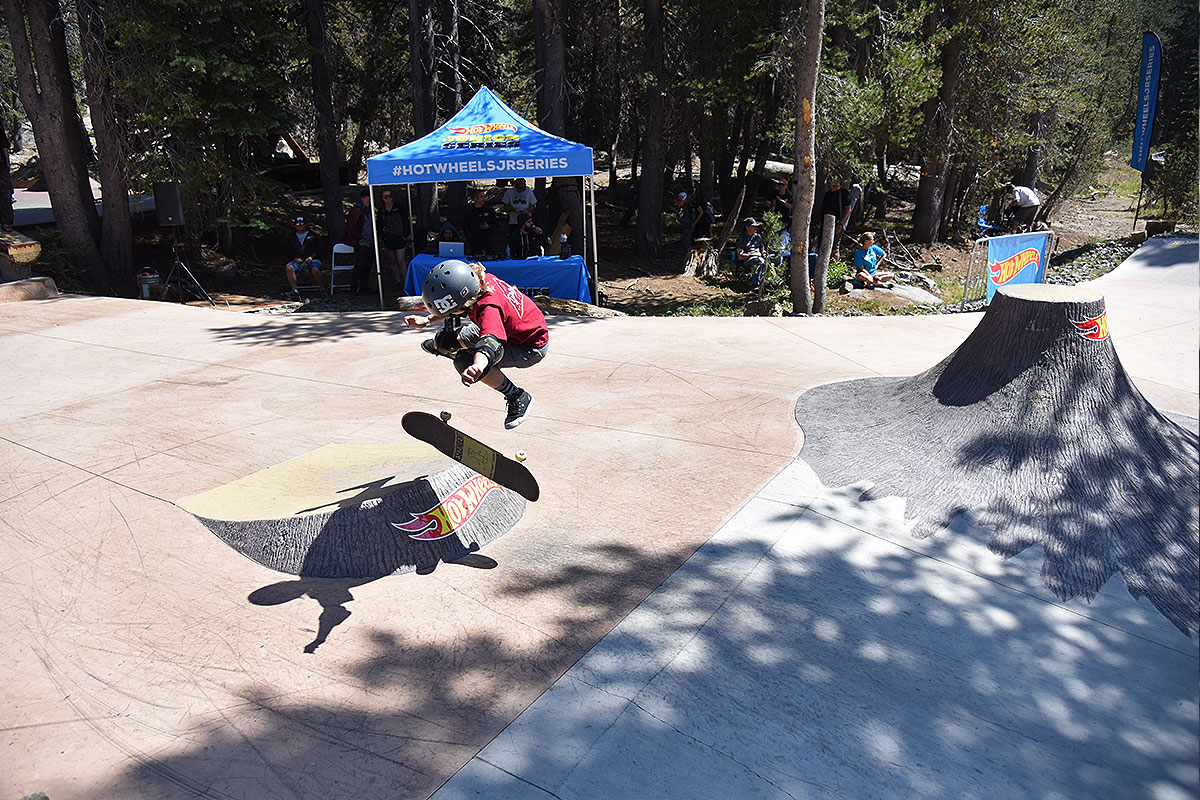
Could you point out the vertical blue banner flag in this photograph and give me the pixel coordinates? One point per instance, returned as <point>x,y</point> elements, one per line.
<point>1147,98</point>
<point>1020,258</point>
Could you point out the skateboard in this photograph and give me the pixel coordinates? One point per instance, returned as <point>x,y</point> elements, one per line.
<point>485,460</point>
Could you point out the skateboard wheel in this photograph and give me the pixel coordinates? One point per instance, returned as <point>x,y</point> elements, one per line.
<point>445,415</point>
<point>521,455</point>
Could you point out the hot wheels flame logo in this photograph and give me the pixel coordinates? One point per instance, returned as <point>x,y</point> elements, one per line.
<point>474,130</point>
<point>1004,271</point>
<point>451,514</point>
<point>1095,328</point>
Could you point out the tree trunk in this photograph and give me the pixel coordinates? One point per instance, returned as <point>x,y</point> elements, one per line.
<point>1033,429</point>
<point>1036,154</point>
<point>939,147</point>
<point>116,232</point>
<point>647,235</point>
<point>771,108</point>
<point>456,191</point>
<point>728,185</point>
<point>453,55</point>
<point>804,166</point>
<point>424,83</point>
<point>707,184</point>
<point>549,26</point>
<point>829,230</point>
<point>48,95</point>
<point>327,135</point>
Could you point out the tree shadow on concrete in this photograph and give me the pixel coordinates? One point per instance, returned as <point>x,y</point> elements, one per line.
<point>416,704</point>
<point>818,665</point>
<point>294,330</point>
<point>834,665</point>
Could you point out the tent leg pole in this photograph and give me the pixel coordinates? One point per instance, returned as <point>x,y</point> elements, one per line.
<point>375,239</point>
<point>595,247</point>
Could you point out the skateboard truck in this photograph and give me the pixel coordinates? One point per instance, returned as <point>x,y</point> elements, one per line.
<point>520,455</point>
<point>475,455</point>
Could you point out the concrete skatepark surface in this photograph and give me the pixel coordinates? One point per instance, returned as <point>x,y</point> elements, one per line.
<point>145,658</point>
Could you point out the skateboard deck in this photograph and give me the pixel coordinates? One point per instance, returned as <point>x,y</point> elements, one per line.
<point>487,461</point>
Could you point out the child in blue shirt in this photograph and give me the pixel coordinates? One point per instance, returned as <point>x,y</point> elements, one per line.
<point>866,264</point>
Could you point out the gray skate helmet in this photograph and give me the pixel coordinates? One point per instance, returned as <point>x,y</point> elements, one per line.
<point>450,287</point>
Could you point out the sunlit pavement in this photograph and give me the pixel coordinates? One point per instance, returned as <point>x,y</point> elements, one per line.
<point>809,646</point>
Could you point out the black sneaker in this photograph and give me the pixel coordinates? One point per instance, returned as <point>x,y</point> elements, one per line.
<point>429,346</point>
<point>518,407</point>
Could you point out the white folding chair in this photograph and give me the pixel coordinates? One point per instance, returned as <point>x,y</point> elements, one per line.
<point>341,267</point>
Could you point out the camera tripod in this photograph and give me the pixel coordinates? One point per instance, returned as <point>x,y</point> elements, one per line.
<point>180,279</point>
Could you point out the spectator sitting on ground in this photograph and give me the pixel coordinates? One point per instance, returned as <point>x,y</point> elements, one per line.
<point>867,259</point>
<point>303,249</point>
<point>749,250</point>
<point>528,240</point>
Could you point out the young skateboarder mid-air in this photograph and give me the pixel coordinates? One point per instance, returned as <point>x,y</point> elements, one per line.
<point>503,329</point>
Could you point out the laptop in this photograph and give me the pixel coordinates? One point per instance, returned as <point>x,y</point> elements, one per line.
<point>451,250</point>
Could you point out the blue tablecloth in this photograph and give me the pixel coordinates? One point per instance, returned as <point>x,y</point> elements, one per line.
<point>558,277</point>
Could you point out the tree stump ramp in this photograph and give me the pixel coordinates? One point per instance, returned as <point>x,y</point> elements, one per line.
<point>1032,429</point>
<point>358,511</point>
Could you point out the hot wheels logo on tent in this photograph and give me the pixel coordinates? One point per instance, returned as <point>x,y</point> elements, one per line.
<point>490,135</point>
<point>451,514</point>
<point>1004,271</point>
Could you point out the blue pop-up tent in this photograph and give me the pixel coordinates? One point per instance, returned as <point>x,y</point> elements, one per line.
<point>487,140</point>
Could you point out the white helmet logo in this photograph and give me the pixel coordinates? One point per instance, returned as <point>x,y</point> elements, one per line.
<point>443,304</point>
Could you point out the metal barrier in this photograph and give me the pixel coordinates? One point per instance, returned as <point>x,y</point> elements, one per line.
<point>975,285</point>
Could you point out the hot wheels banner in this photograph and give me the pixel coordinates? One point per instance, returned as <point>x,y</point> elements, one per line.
<point>1143,127</point>
<point>1020,258</point>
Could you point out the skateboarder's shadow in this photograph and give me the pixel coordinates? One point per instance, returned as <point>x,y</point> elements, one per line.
<point>333,593</point>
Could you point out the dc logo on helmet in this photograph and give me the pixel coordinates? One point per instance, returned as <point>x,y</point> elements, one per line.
<point>444,305</point>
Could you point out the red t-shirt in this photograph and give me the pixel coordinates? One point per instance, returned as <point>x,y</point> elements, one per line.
<point>508,315</point>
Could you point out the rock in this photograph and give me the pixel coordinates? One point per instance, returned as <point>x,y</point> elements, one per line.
<point>915,295</point>
<point>557,305</point>
<point>917,279</point>
<point>846,288</point>
<point>762,308</point>
<point>410,302</point>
